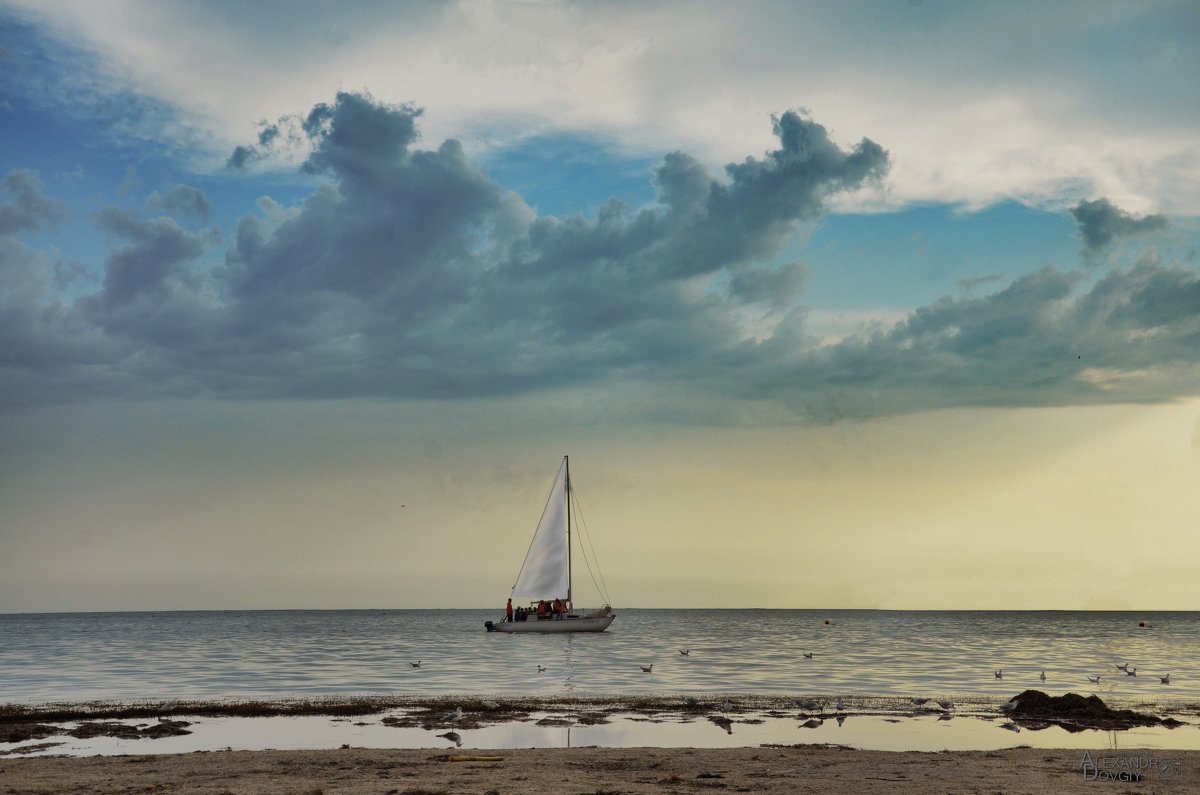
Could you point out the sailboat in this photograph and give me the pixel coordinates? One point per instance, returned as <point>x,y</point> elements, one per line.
<point>546,573</point>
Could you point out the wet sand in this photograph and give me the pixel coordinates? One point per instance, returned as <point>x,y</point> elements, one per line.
<point>795,769</point>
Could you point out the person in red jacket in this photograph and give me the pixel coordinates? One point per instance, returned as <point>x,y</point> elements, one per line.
<point>508,610</point>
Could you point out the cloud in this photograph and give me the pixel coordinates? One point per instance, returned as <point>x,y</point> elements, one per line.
<point>1101,223</point>
<point>28,209</point>
<point>183,200</point>
<point>408,273</point>
<point>992,127</point>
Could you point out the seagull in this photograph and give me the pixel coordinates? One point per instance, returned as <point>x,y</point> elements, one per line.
<point>839,706</point>
<point>919,702</point>
<point>453,737</point>
<point>946,704</point>
<point>1132,671</point>
<point>455,715</point>
<point>688,701</point>
<point>809,706</point>
<point>649,669</point>
<point>1166,680</point>
<point>685,652</point>
<point>541,668</point>
<point>416,664</point>
<point>1124,667</point>
<point>1042,676</point>
<point>490,705</point>
<point>1000,674</point>
<point>808,655</point>
<point>725,706</point>
<point>1009,705</point>
<point>1094,679</point>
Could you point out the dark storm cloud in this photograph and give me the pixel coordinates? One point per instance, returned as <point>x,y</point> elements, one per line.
<point>410,273</point>
<point>1100,223</point>
<point>27,209</point>
<point>183,200</point>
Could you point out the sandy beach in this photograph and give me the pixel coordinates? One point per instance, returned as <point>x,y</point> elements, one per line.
<point>825,769</point>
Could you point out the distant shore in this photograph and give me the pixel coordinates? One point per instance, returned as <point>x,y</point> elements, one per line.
<point>630,771</point>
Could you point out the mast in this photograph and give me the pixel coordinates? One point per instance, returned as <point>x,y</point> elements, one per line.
<point>567,464</point>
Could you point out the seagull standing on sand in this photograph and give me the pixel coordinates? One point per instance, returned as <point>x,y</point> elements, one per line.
<point>840,707</point>
<point>919,702</point>
<point>456,715</point>
<point>725,706</point>
<point>946,704</point>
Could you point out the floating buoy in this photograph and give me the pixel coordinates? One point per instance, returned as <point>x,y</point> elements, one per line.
<point>827,621</point>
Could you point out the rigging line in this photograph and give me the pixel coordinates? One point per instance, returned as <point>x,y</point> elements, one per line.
<point>595,557</point>
<point>582,549</point>
<point>603,589</point>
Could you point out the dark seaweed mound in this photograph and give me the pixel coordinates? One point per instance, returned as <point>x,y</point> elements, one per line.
<point>1074,712</point>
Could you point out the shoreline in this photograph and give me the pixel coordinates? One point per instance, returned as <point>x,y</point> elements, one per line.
<point>474,722</point>
<point>500,704</point>
<point>630,771</point>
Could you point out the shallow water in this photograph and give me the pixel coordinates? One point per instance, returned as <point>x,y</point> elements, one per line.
<point>906,733</point>
<point>232,654</point>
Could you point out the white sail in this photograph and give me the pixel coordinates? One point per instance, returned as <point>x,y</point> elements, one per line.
<point>545,573</point>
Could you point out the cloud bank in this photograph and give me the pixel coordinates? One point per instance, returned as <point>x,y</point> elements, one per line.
<point>410,274</point>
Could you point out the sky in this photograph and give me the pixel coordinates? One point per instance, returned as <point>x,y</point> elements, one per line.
<point>832,304</point>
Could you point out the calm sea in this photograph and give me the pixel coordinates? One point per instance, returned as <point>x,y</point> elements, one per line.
<point>232,654</point>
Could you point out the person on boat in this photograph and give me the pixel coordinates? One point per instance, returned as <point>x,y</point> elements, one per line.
<point>560,609</point>
<point>520,614</point>
<point>508,611</point>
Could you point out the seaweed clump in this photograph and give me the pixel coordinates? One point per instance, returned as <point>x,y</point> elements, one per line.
<point>1074,712</point>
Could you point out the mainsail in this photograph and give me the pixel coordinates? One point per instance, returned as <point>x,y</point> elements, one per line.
<point>545,573</point>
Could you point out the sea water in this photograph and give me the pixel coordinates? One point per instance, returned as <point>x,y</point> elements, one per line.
<point>299,653</point>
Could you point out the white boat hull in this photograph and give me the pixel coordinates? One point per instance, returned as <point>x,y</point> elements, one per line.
<point>582,624</point>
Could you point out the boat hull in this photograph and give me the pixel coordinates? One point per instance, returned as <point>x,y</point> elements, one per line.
<point>588,624</point>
